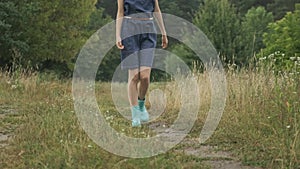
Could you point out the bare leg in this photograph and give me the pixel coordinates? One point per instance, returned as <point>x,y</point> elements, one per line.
<point>133,79</point>
<point>144,81</point>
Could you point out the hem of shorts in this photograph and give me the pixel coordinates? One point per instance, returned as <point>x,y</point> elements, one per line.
<point>146,66</point>
<point>134,67</point>
<point>129,67</point>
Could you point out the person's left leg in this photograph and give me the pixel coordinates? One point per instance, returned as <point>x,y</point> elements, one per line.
<point>146,57</point>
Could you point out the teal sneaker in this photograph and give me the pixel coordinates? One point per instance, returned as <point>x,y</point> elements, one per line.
<point>135,112</point>
<point>144,116</point>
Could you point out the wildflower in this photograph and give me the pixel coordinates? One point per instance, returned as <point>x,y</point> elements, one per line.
<point>288,126</point>
<point>14,86</point>
<point>277,52</point>
<point>271,56</point>
<point>263,58</point>
<point>89,146</point>
<point>292,58</point>
<point>269,117</point>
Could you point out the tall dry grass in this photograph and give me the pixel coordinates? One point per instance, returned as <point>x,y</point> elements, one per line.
<point>260,123</point>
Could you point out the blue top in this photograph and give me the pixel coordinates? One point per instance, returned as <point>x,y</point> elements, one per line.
<point>138,6</point>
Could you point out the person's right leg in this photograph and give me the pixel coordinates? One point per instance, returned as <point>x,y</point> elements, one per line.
<point>133,80</point>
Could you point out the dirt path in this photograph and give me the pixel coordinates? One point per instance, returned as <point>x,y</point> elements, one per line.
<point>216,158</point>
<point>6,129</point>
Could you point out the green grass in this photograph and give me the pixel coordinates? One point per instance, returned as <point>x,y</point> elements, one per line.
<point>260,124</point>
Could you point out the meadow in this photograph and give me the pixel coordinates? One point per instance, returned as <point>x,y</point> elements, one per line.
<point>260,125</point>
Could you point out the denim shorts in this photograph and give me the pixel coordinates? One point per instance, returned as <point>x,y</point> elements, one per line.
<point>139,48</point>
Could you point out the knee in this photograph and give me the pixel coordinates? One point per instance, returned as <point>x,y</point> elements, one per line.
<point>134,79</point>
<point>144,78</point>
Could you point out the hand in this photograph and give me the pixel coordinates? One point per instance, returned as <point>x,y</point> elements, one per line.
<point>164,43</point>
<point>119,43</point>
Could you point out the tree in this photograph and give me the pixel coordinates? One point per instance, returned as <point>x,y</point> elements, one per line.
<point>97,20</point>
<point>219,21</point>
<point>109,6</point>
<point>10,39</point>
<point>244,5</point>
<point>180,8</point>
<point>55,30</point>
<point>280,7</point>
<point>283,40</point>
<point>254,24</point>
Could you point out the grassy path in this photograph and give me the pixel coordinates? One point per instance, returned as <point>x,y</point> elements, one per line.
<point>259,128</point>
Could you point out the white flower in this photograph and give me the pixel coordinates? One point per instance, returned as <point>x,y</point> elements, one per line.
<point>89,146</point>
<point>288,126</point>
<point>271,56</point>
<point>292,58</point>
<point>263,58</point>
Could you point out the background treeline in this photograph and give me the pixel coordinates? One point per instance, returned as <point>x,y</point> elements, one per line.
<point>47,35</point>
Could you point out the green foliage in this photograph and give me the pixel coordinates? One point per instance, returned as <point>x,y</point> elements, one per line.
<point>244,5</point>
<point>110,7</point>
<point>284,37</point>
<point>277,7</point>
<point>55,29</point>
<point>98,19</point>
<point>280,7</point>
<point>219,21</point>
<point>108,65</point>
<point>253,26</point>
<point>187,55</point>
<point>46,35</point>
<point>179,8</point>
<point>10,39</point>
